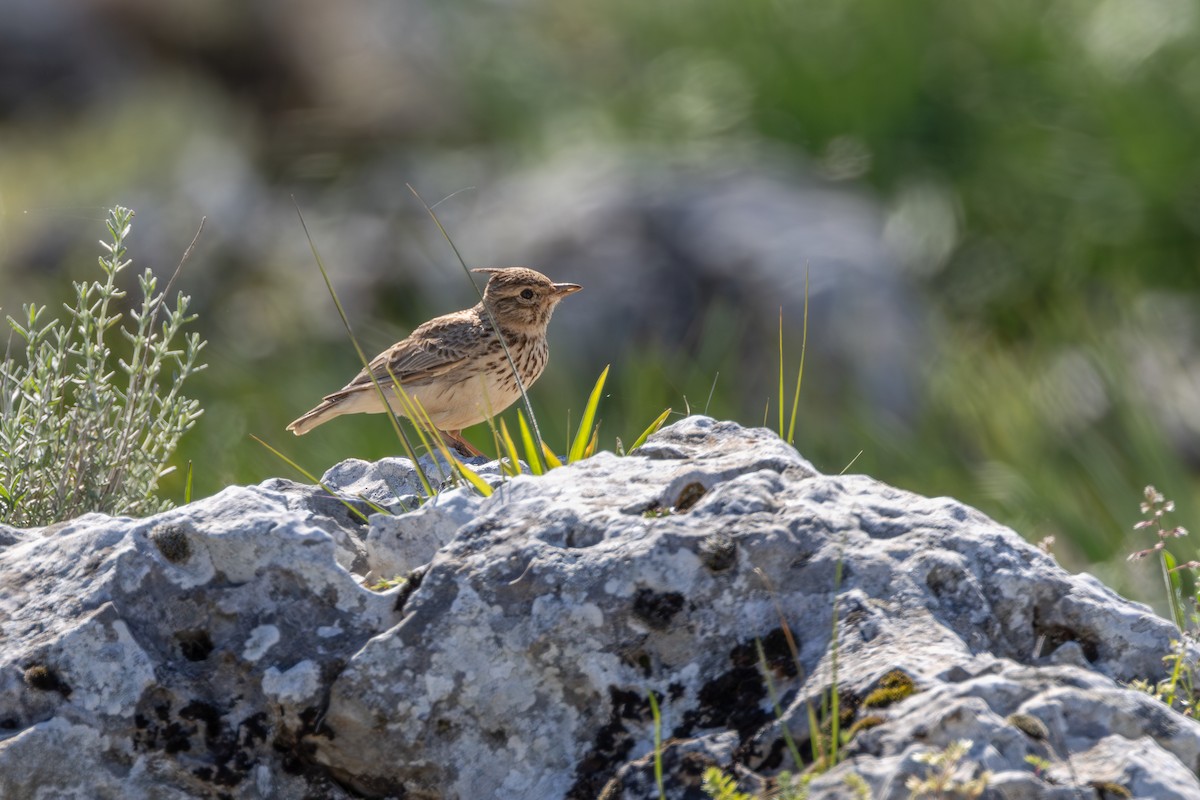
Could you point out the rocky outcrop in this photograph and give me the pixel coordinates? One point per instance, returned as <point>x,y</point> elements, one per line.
<point>229,648</point>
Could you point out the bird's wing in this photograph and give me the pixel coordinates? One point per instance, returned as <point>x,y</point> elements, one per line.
<point>433,349</point>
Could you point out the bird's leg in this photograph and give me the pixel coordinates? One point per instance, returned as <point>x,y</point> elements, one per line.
<point>460,444</point>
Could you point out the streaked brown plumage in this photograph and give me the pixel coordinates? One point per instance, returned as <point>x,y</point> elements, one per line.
<point>454,364</point>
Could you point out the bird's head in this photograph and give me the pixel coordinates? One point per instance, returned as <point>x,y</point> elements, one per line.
<point>522,298</point>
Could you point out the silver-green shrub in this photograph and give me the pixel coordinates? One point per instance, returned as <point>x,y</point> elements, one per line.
<point>81,427</point>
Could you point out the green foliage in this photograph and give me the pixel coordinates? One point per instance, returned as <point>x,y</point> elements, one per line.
<point>1040,765</point>
<point>1155,509</point>
<point>651,429</point>
<point>834,715</point>
<point>93,409</point>
<point>1178,689</point>
<point>582,446</point>
<point>858,785</point>
<point>384,584</point>
<point>791,787</point>
<point>584,443</point>
<point>720,786</point>
<point>790,436</point>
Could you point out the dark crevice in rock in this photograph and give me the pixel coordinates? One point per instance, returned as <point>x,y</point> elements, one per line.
<point>1050,636</point>
<point>45,679</point>
<point>611,744</point>
<point>582,537</point>
<point>296,750</point>
<point>411,583</point>
<point>688,496</point>
<point>657,609</point>
<point>194,645</point>
<point>730,700</point>
<point>777,651</point>
<point>718,551</point>
<point>640,660</point>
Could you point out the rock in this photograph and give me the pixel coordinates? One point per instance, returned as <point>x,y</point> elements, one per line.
<point>183,655</point>
<point>398,544</point>
<point>228,648</point>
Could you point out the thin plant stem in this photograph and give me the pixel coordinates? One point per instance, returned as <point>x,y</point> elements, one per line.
<point>658,763</point>
<point>537,435</point>
<point>791,434</point>
<point>408,448</point>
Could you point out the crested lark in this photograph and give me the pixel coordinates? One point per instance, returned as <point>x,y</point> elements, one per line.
<point>454,365</point>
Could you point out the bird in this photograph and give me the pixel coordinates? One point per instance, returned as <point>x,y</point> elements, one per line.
<point>454,365</point>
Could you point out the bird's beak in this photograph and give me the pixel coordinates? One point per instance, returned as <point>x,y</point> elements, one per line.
<point>566,288</point>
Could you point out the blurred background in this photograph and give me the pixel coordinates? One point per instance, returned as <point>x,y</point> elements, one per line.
<point>997,207</point>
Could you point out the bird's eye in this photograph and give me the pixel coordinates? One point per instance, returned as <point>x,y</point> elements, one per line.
<point>527,294</point>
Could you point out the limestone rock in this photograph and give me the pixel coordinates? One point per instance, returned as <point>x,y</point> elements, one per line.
<point>183,655</point>
<point>229,649</point>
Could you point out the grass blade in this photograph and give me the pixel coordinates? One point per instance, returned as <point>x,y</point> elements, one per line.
<point>552,460</point>
<point>187,485</point>
<point>780,428</point>
<point>537,435</point>
<point>813,724</point>
<point>787,734</point>
<point>711,390</point>
<point>416,412</point>
<point>513,465</point>
<point>814,737</point>
<point>651,430</point>
<point>791,435</point>
<point>472,477</point>
<point>834,697</point>
<point>314,479</point>
<point>580,443</point>
<point>408,449</point>
<point>535,463</point>
<point>658,763</point>
<point>1174,588</point>
<point>422,424</point>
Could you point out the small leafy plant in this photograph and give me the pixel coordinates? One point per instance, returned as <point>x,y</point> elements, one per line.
<point>83,428</point>
<point>1155,509</point>
<point>950,774</point>
<point>384,584</point>
<point>1179,689</point>
<point>720,786</point>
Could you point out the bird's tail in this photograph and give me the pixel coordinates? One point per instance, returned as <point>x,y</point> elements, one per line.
<point>318,416</point>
